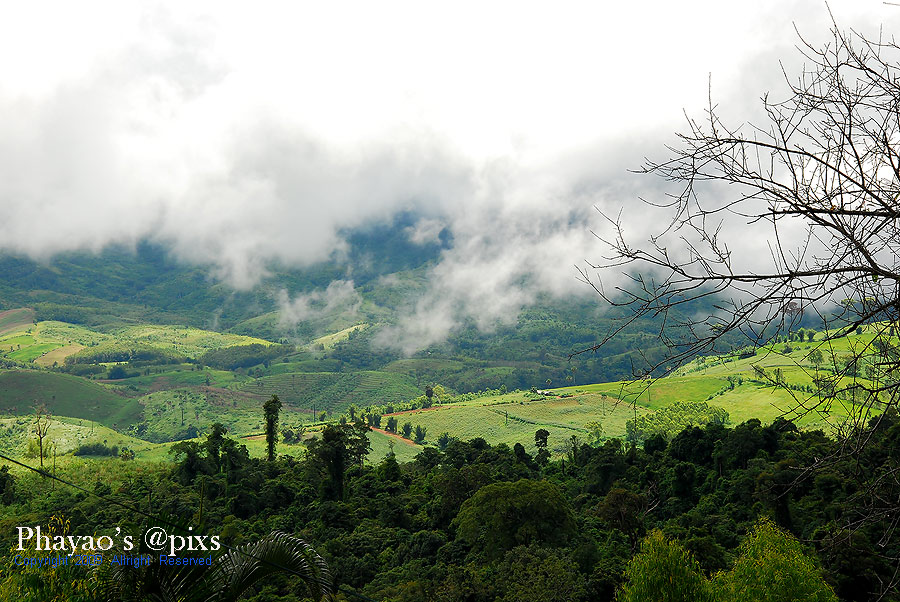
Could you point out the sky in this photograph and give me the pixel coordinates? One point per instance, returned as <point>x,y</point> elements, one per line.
<point>239,133</point>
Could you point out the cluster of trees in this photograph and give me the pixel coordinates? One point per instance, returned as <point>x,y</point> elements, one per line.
<point>244,356</point>
<point>96,449</point>
<point>137,355</point>
<point>672,419</point>
<point>407,429</point>
<point>771,565</point>
<point>479,523</point>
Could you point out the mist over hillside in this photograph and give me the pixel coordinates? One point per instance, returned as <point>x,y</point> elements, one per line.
<point>381,278</point>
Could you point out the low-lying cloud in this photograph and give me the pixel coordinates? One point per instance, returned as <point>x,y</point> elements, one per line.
<point>237,142</point>
<point>340,296</point>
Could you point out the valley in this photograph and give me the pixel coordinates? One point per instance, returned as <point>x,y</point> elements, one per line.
<point>150,385</point>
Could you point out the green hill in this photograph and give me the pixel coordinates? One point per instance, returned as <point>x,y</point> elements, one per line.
<point>13,320</point>
<point>64,395</point>
<point>334,392</point>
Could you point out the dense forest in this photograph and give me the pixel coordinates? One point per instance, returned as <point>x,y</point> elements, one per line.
<point>472,522</point>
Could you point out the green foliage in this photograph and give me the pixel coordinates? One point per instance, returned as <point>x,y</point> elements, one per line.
<point>33,583</point>
<point>535,573</point>
<point>664,571</point>
<point>772,567</point>
<point>96,449</point>
<point>340,448</point>
<point>228,578</point>
<point>115,351</point>
<point>270,411</point>
<point>118,372</point>
<point>595,432</point>
<point>243,356</point>
<point>481,522</point>
<point>672,419</point>
<point>504,515</point>
<point>815,357</point>
<point>7,486</point>
<point>443,440</point>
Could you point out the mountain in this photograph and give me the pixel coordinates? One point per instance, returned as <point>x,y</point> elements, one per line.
<point>374,281</point>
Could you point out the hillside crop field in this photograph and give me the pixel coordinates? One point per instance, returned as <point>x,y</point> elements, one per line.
<point>13,320</point>
<point>328,341</point>
<point>514,418</point>
<point>43,338</point>
<point>66,434</point>
<point>64,395</point>
<point>166,402</point>
<point>169,402</point>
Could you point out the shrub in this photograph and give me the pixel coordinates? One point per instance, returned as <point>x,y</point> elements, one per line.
<point>96,449</point>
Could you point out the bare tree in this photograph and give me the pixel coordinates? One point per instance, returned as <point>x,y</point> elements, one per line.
<point>825,163</point>
<point>827,159</point>
<point>42,419</point>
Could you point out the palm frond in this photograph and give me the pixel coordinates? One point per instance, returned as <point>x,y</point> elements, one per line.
<point>236,570</point>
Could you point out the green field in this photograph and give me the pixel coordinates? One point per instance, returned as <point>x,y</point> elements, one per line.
<point>64,395</point>
<point>659,392</point>
<point>32,352</point>
<point>183,375</point>
<point>404,451</point>
<point>66,434</point>
<point>513,418</point>
<point>187,341</point>
<point>727,381</point>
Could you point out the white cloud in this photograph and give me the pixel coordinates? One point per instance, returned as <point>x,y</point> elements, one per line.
<point>340,295</point>
<point>425,231</point>
<point>242,134</point>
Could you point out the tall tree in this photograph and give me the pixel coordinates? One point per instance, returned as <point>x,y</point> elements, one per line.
<point>214,441</point>
<point>540,438</point>
<point>789,574</point>
<point>664,571</point>
<point>271,409</point>
<point>330,457</point>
